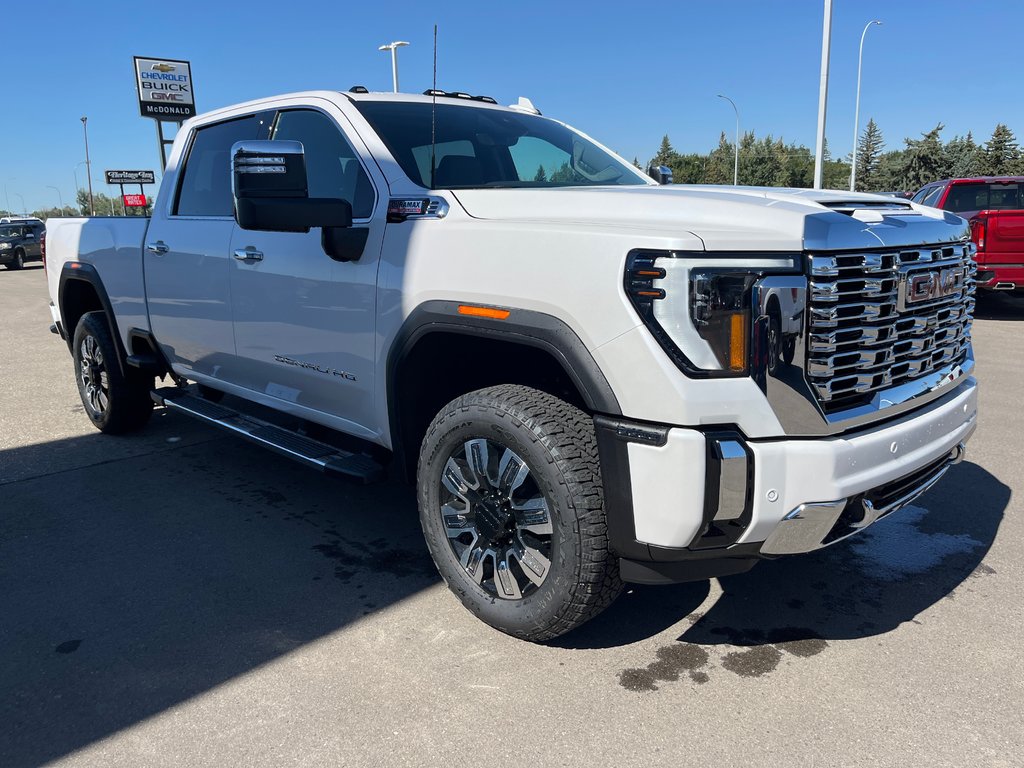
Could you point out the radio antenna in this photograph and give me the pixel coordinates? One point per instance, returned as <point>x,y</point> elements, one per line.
<point>433,115</point>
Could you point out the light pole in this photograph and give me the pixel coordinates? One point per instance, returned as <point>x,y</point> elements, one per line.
<point>736,153</point>
<point>59,197</point>
<point>856,109</point>
<point>24,210</point>
<point>393,47</point>
<point>88,165</point>
<point>77,186</point>
<point>819,144</point>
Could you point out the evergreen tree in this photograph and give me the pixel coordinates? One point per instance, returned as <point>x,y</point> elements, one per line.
<point>720,162</point>
<point>964,158</point>
<point>925,159</point>
<point>665,153</point>
<point>869,151</point>
<point>540,176</point>
<point>1002,155</point>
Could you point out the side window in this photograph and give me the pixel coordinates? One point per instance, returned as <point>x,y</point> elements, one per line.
<point>205,188</point>
<point>933,197</point>
<point>332,168</point>
<point>917,198</point>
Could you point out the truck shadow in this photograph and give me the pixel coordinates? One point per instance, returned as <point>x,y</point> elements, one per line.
<point>867,585</point>
<point>135,583</point>
<point>994,305</point>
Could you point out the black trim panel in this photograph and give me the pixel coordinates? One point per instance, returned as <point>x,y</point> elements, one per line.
<point>87,273</point>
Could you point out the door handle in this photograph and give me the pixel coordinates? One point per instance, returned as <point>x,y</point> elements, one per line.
<point>248,254</point>
<point>159,248</point>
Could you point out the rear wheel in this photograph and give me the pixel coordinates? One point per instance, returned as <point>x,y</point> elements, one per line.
<point>511,504</point>
<point>115,402</point>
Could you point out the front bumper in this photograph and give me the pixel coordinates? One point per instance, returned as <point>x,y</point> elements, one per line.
<point>675,495</point>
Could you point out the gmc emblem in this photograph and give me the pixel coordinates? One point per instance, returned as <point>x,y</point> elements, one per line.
<point>921,286</point>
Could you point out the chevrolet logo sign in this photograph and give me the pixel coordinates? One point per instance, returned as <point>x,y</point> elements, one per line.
<point>930,285</point>
<point>161,67</point>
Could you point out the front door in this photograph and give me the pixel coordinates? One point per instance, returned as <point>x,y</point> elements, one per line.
<point>303,322</point>
<point>186,255</point>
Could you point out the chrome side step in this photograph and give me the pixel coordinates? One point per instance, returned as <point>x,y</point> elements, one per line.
<point>327,458</point>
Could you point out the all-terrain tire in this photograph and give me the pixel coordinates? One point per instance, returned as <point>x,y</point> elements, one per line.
<point>557,443</point>
<point>115,402</point>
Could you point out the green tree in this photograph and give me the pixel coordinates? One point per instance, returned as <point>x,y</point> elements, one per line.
<point>720,162</point>
<point>665,154</point>
<point>1002,155</point>
<point>869,150</point>
<point>541,175</point>
<point>963,158</point>
<point>925,159</point>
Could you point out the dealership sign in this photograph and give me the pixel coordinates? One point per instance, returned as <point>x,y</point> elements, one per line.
<point>134,201</point>
<point>165,89</point>
<point>130,177</point>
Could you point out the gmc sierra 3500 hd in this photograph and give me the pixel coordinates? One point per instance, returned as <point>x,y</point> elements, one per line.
<point>593,378</point>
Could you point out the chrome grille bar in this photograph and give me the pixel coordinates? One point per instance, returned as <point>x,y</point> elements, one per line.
<point>866,330</point>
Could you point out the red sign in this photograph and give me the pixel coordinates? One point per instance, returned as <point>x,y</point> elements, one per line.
<point>135,201</point>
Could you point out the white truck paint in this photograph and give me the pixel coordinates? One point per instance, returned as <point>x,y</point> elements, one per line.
<point>759,454</point>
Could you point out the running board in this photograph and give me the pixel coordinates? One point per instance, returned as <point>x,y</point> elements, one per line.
<point>327,458</point>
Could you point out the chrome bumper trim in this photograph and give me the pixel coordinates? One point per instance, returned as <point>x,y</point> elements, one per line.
<point>815,525</point>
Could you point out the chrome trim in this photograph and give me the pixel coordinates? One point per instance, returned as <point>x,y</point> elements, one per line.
<point>818,524</point>
<point>803,529</point>
<point>846,338</point>
<point>731,457</point>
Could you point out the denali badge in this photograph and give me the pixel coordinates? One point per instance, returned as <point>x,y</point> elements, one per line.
<point>314,367</point>
<point>929,285</point>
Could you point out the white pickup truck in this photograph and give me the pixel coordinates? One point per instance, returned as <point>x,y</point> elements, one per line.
<point>592,378</point>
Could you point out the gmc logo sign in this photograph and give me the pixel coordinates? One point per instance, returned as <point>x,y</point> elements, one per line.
<point>921,286</point>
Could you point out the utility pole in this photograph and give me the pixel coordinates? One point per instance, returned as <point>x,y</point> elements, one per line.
<point>826,44</point>
<point>88,166</point>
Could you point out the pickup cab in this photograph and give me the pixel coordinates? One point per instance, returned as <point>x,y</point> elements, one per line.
<point>994,207</point>
<point>591,378</point>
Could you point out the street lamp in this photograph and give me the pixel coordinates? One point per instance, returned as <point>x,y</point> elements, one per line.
<point>59,197</point>
<point>24,209</point>
<point>393,47</point>
<point>88,165</point>
<point>856,110</point>
<point>736,161</point>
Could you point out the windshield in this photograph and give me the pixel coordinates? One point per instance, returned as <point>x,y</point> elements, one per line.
<point>478,147</point>
<point>984,197</point>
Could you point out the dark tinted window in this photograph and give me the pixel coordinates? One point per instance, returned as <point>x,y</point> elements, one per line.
<point>933,196</point>
<point>332,169</point>
<point>483,147</point>
<point>206,182</point>
<point>984,197</point>
<point>919,196</point>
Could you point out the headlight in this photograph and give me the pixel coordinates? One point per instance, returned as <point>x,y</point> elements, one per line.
<point>698,305</point>
<point>5,246</point>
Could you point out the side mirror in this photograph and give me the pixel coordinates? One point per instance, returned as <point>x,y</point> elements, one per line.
<point>270,191</point>
<point>660,173</point>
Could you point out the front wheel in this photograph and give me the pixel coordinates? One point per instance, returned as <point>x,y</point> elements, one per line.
<point>19,260</point>
<point>115,402</point>
<point>512,507</point>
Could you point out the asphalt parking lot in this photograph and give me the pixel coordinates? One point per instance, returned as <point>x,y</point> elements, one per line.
<point>180,597</point>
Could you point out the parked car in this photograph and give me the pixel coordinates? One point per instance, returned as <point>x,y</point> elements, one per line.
<point>593,378</point>
<point>20,220</point>
<point>20,243</point>
<point>994,206</point>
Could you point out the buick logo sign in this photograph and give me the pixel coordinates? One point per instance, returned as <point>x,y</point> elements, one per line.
<point>922,286</point>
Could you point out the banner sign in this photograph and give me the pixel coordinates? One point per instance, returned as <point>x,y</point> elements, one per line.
<point>130,177</point>
<point>165,89</point>
<point>135,201</point>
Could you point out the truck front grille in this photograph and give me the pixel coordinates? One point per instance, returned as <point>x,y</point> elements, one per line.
<point>880,319</point>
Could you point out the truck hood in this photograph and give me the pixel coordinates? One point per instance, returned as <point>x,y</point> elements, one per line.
<point>728,218</point>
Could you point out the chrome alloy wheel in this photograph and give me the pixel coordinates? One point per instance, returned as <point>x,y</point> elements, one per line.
<point>496,519</point>
<point>92,371</point>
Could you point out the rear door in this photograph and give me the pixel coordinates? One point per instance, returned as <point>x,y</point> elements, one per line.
<point>186,254</point>
<point>304,324</point>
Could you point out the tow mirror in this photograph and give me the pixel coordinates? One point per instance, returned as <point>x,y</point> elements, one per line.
<point>660,173</point>
<point>271,194</point>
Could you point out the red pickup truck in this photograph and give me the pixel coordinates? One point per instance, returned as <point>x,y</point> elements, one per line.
<point>994,205</point>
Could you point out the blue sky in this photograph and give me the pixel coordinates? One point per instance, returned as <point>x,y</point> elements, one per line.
<point>624,73</point>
